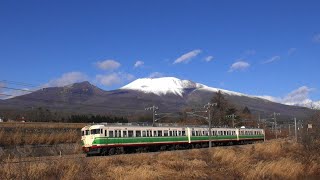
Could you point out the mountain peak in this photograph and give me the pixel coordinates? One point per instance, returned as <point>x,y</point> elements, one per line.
<point>171,85</point>
<point>162,86</point>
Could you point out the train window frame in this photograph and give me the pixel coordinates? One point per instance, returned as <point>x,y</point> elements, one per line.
<point>110,133</point>
<point>95,131</point>
<point>165,133</point>
<point>170,133</point>
<point>155,134</point>
<point>88,132</point>
<point>124,133</point>
<point>138,133</point>
<point>160,133</point>
<point>130,133</point>
<point>183,133</point>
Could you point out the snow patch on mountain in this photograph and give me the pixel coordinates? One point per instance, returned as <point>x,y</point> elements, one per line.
<point>171,85</point>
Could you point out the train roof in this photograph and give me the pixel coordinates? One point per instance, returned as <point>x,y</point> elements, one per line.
<point>158,125</point>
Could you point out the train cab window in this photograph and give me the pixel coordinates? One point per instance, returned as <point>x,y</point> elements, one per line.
<point>82,133</point>
<point>130,133</point>
<point>138,133</point>
<point>165,133</point>
<point>87,132</point>
<point>159,133</point>
<point>110,133</point>
<point>95,131</point>
<point>183,133</point>
<point>124,133</point>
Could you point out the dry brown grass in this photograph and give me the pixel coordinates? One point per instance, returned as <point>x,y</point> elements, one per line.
<point>20,137</point>
<point>14,133</point>
<point>44,125</point>
<point>269,160</point>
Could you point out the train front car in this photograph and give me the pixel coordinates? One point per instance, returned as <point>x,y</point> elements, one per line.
<point>91,137</point>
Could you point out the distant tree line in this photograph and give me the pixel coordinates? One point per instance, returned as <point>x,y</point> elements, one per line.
<point>96,119</point>
<point>41,114</point>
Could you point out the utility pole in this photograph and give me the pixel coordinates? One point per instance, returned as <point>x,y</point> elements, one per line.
<point>232,116</point>
<point>153,109</point>
<point>209,107</point>
<point>275,122</point>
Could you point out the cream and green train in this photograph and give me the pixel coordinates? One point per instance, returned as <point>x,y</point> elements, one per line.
<point>109,139</point>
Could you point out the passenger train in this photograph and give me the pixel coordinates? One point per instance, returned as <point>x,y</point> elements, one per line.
<point>110,139</point>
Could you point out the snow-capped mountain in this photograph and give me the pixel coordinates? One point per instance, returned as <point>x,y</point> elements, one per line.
<point>169,94</point>
<point>171,85</point>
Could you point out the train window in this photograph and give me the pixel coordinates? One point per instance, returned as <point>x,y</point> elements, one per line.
<point>170,133</point>
<point>87,132</point>
<point>193,133</point>
<point>105,133</point>
<point>82,133</point>
<point>130,133</point>
<point>144,134</point>
<point>159,133</point>
<point>95,131</point>
<point>179,133</point>
<point>124,133</point>
<point>154,133</point>
<point>138,133</point>
<point>165,133</point>
<point>110,133</point>
<point>183,133</point>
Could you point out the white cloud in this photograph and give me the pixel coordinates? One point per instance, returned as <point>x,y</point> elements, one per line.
<point>316,38</point>
<point>240,65</point>
<point>291,51</point>
<point>108,64</point>
<point>185,58</point>
<point>138,64</point>
<point>114,78</point>
<point>274,58</point>
<point>208,58</point>
<point>66,79</point>
<point>156,75</point>
<point>297,97</point>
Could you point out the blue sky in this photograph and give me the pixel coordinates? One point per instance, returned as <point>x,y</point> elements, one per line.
<point>254,47</point>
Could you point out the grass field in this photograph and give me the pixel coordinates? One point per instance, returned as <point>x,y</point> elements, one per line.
<point>276,159</point>
<point>12,134</point>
